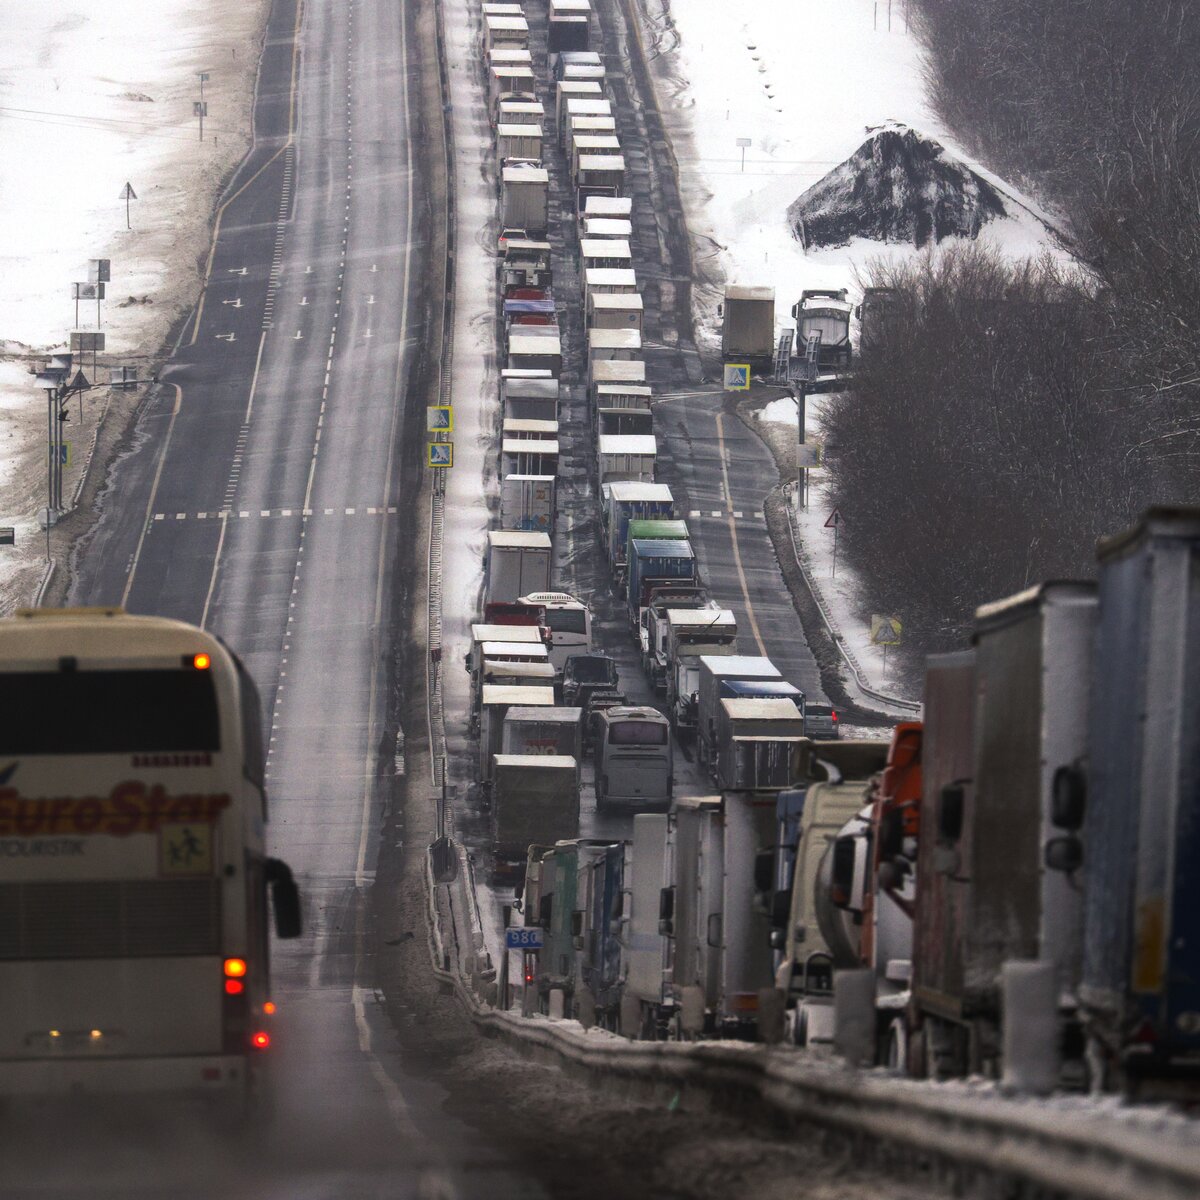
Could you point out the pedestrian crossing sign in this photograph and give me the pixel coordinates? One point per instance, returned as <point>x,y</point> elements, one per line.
<point>885,631</point>
<point>441,454</point>
<point>737,377</point>
<point>439,418</point>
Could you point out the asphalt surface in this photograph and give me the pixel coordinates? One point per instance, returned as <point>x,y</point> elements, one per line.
<point>270,495</point>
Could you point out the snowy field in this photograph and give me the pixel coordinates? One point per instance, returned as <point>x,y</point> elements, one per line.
<point>804,85</point>
<point>93,96</point>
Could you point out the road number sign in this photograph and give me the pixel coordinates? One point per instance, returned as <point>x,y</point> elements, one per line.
<point>523,939</point>
<point>441,454</point>
<point>737,377</point>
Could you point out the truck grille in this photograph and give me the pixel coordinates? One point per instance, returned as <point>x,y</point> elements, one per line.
<point>121,919</point>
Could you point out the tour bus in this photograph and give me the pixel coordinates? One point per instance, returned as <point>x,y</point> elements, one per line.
<point>633,758</point>
<point>569,621</point>
<point>133,879</point>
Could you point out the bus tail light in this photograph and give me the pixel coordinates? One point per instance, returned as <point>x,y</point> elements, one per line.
<point>234,987</point>
<point>260,1040</point>
<point>235,968</point>
<point>201,661</point>
<point>270,1008</point>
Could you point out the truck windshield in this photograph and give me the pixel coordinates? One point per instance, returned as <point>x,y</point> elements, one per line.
<point>637,733</point>
<point>590,670</point>
<point>108,712</point>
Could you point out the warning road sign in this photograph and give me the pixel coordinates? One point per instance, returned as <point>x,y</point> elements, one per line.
<point>885,631</point>
<point>833,520</point>
<point>737,377</point>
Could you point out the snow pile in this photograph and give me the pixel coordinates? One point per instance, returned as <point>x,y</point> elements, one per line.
<point>92,97</point>
<point>898,186</point>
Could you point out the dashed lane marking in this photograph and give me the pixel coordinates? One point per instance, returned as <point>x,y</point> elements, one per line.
<point>273,513</point>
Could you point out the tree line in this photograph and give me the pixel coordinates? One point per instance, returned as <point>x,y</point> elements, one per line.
<point>1005,414</point>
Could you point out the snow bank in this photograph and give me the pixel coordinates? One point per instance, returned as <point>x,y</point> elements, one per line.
<point>804,84</point>
<point>92,97</point>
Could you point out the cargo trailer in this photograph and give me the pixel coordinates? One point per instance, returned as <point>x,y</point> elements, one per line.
<point>517,562</point>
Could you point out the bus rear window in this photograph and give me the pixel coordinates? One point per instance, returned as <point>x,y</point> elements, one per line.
<point>637,733</point>
<point>567,620</point>
<point>107,712</point>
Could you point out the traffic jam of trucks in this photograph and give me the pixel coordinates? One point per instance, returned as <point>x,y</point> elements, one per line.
<point>1004,887</point>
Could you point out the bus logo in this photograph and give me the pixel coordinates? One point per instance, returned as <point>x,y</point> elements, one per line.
<point>130,807</point>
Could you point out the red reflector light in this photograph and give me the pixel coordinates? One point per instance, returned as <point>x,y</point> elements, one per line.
<point>234,987</point>
<point>269,1007</point>
<point>260,1040</point>
<point>235,968</point>
<point>835,717</point>
<point>201,661</point>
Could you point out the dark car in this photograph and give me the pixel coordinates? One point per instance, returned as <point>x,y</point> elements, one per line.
<point>820,721</point>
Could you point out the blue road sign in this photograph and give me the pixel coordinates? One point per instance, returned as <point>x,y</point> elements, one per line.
<point>523,939</point>
<point>441,454</point>
<point>737,377</point>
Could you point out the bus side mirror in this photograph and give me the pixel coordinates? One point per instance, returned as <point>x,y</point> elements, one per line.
<point>285,899</point>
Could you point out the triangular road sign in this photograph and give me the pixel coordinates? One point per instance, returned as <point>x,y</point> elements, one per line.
<point>833,520</point>
<point>127,192</point>
<point>79,383</point>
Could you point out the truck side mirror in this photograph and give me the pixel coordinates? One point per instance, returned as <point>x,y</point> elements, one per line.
<point>285,898</point>
<point>666,912</point>
<point>1068,797</point>
<point>1063,854</point>
<point>712,931</point>
<point>841,875</point>
<point>764,870</point>
<point>952,804</point>
<point>891,834</point>
<point>781,909</point>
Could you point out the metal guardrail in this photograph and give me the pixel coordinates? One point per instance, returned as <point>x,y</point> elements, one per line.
<point>831,626</point>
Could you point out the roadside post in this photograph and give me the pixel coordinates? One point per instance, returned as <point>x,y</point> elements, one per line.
<point>127,194</point>
<point>834,521</point>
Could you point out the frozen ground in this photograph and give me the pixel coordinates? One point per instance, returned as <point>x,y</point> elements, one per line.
<point>803,84</point>
<point>93,96</point>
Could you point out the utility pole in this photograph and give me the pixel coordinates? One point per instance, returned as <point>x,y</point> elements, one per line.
<point>802,450</point>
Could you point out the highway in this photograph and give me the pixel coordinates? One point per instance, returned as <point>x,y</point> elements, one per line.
<point>273,493</point>
<point>271,499</point>
<point>718,470</point>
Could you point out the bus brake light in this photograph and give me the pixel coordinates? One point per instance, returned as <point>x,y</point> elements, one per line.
<point>260,1040</point>
<point>235,968</point>
<point>234,987</point>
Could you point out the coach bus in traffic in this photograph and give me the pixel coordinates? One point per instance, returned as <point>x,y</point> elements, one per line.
<point>133,878</point>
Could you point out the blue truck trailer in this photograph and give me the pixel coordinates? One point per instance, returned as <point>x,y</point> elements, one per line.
<point>1137,807</point>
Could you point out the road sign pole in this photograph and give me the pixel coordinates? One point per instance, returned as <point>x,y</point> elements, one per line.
<point>833,573</point>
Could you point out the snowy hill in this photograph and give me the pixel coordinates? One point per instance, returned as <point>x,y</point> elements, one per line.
<point>898,186</point>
